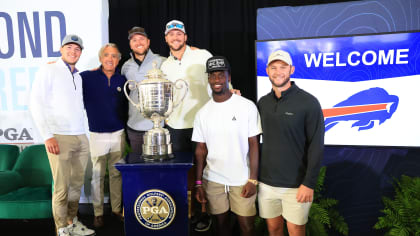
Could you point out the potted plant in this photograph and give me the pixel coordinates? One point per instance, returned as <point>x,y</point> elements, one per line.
<point>402,214</point>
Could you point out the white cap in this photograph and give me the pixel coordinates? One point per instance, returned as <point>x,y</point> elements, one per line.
<point>174,25</point>
<point>280,55</point>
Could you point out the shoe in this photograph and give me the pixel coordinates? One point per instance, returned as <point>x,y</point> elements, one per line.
<point>98,221</point>
<point>119,216</point>
<point>63,231</point>
<point>79,229</point>
<point>204,223</point>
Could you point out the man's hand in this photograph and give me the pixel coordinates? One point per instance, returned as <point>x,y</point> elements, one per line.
<point>248,190</point>
<point>51,145</point>
<point>199,195</point>
<point>236,91</point>
<point>304,194</point>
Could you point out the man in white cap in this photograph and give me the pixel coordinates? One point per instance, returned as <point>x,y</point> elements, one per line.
<point>188,63</point>
<point>292,150</point>
<point>57,108</point>
<point>136,68</point>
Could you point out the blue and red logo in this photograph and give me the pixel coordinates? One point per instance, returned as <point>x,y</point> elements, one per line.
<point>364,108</point>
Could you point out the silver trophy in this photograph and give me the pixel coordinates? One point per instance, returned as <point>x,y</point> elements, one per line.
<point>156,102</point>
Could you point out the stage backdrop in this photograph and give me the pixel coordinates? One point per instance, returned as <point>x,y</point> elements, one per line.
<point>357,176</point>
<point>30,36</point>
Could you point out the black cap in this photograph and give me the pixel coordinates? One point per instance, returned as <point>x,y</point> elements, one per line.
<point>217,63</point>
<point>136,30</point>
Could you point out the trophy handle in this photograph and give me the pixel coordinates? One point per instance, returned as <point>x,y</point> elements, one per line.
<point>130,86</point>
<point>180,86</point>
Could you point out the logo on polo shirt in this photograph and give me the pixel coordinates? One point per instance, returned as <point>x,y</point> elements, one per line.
<point>155,209</point>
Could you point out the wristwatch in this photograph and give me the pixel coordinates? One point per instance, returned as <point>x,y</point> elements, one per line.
<point>254,181</point>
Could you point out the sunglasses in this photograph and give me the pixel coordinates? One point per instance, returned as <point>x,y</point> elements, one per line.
<point>175,25</point>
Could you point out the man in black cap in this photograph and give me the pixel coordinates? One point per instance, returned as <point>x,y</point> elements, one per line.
<point>226,130</point>
<point>136,68</point>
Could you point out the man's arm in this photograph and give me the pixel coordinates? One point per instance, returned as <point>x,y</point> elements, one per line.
<point>40,88</point>
<point>250,188</point>
<point>314,131</point>
<point>200,160</point>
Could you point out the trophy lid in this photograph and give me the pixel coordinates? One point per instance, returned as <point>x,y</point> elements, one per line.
<point>154,75</point>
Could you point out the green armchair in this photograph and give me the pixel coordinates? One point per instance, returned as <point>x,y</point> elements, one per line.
<point>8,156</point>
<point>26,190</point>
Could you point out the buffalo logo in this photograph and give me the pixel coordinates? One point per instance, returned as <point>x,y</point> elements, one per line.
<point>365,107</point>
<point>155,209</point>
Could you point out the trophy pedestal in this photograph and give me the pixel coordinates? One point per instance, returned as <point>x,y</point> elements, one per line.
<point>155,195</point>
<point>157,158</point>
<point>157,145</point>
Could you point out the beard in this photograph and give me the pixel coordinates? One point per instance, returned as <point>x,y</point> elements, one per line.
<point>282,84</point>
<point>178,48</point>
<point>140,53</point>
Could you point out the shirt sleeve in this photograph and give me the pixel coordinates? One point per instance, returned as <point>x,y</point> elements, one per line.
<point>314,131</point>
<point>254,121</point>
<point>40,87</point>
<point>198,134</point>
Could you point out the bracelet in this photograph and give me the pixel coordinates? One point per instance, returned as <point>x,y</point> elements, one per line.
<point>254,181</point>
<point>198,182</point>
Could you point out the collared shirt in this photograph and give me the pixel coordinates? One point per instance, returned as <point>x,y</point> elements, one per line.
<point>293,138</point>
<point>104,100</point>
<point>192,69</point>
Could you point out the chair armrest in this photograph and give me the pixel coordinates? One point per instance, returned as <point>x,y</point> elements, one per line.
<point>9,181</point>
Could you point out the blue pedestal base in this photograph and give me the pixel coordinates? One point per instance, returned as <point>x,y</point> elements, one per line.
<point>155,195</point>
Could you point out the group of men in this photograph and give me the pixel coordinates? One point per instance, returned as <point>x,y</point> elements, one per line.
<point>214,121</point>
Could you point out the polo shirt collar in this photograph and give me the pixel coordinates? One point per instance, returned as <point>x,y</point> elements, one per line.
<point>186,52</point>
<point>293,88</point>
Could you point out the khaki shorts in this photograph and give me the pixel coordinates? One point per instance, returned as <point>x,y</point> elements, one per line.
<point>222,197</point>
<point>276,201</point>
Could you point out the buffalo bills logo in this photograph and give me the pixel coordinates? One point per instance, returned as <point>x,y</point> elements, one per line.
<point>365,107</point>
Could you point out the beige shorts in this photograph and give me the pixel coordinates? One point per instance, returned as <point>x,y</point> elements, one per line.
<point>222,197</point>
<point>276,201</point>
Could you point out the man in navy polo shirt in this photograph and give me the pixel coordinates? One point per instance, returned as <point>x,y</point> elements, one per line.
<point>106,108</point>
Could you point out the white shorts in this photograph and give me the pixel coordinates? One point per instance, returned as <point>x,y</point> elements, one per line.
<point>276,201</point>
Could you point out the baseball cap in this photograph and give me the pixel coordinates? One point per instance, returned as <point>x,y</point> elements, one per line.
<point>280,55</point>
<point>174,25</point>
<point>217,63</point>
<point>72,38</point>
<point>136,30</point>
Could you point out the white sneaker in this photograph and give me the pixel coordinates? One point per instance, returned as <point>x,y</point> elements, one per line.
<point>63,231</point>
<point>79,229</point>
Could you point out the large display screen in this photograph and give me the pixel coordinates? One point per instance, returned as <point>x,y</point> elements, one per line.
<point>368,85</point>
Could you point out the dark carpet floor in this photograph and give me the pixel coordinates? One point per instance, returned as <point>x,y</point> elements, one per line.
<point>45,227</point>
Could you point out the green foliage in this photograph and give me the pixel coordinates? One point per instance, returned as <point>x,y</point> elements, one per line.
<point>402,214</point>
<point>323,216</point>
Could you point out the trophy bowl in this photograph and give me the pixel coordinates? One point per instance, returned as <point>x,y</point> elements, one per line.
<point>156,102</point>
